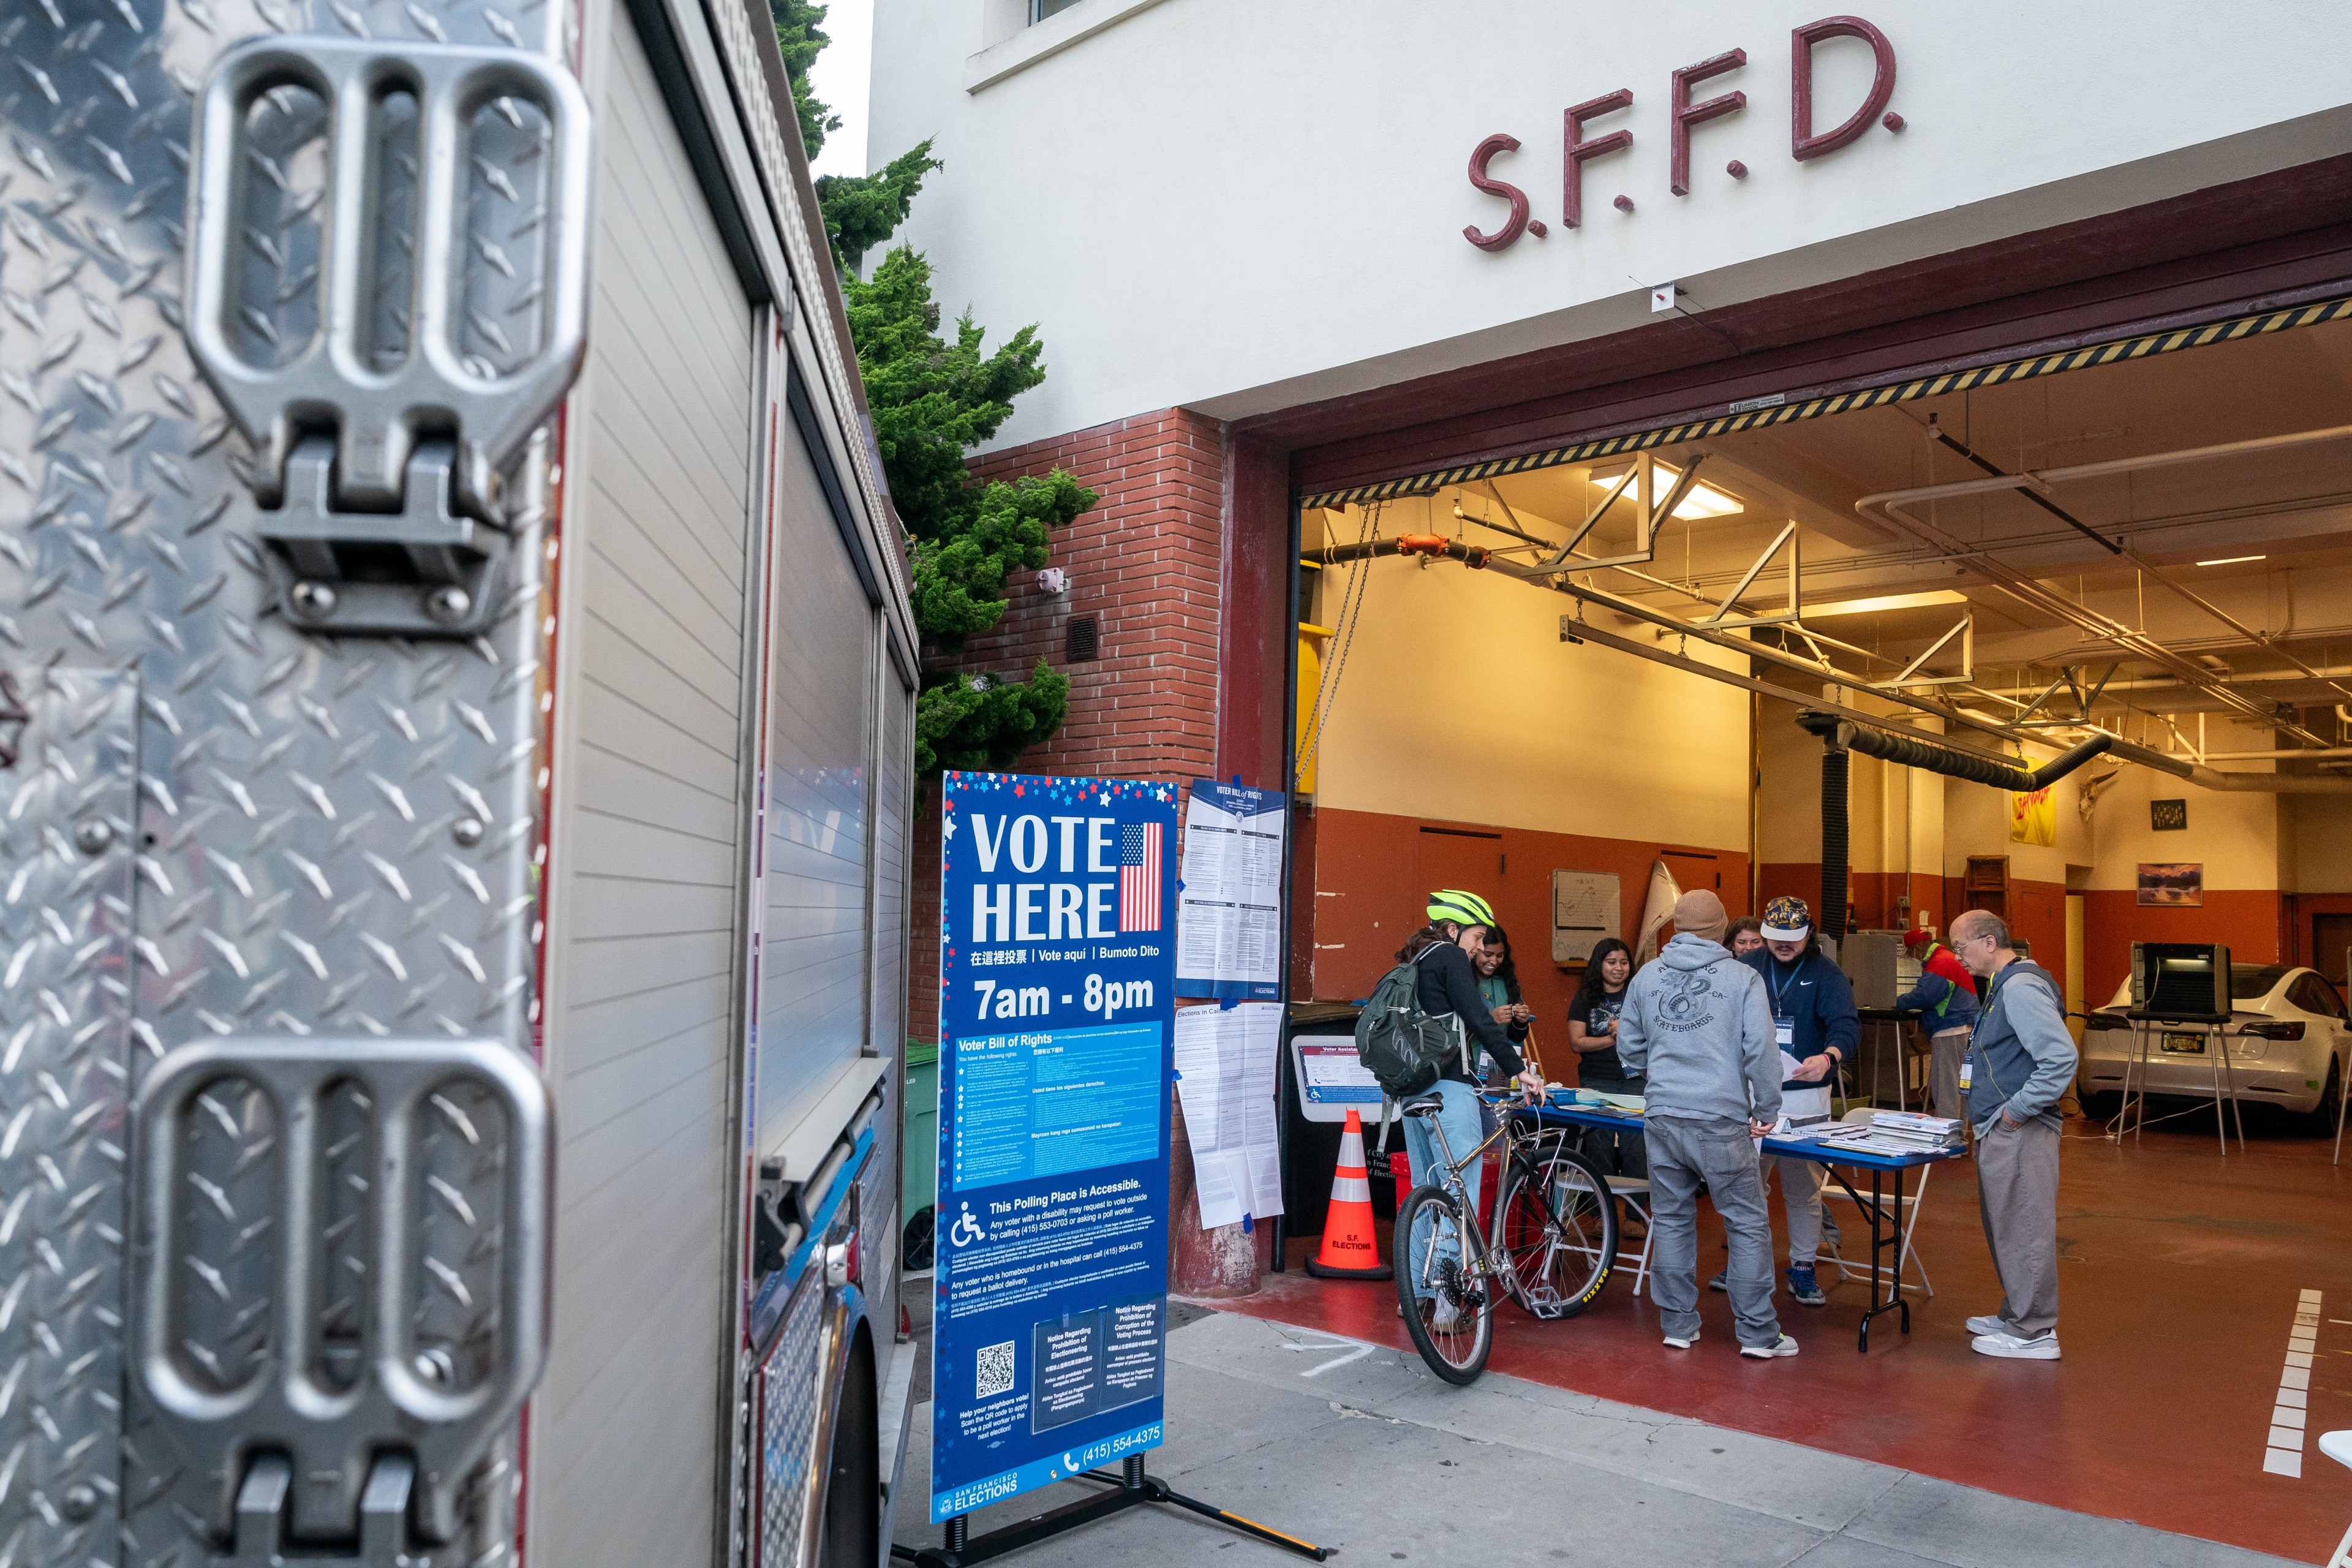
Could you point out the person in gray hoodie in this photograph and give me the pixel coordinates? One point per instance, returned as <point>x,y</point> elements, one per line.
<point>1696,1023</point>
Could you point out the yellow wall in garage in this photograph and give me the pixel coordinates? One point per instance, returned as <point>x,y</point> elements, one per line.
<point>2235,837</point>
<point>1459,702</point>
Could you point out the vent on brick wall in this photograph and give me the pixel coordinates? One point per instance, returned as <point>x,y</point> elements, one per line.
<point>1079,640</point>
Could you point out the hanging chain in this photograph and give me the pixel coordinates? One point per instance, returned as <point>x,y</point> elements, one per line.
<point>1352,607</point>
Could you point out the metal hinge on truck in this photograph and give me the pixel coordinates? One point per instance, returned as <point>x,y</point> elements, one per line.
<point>339,1288</point>
<point>433,199</point>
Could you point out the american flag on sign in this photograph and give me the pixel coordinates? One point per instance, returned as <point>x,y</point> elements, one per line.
<point>1138,877</point>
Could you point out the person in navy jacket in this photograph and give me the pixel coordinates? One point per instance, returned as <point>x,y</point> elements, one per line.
<point>1946,1000</point>
<point>1814,1018</point>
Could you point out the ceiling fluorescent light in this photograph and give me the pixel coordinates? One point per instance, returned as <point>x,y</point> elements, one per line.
<point>2233,560</point>
<point>1921,601</point>
<point>1703,500</point>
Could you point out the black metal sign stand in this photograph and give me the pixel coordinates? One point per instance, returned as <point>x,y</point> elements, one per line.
<point>1131,1488</point>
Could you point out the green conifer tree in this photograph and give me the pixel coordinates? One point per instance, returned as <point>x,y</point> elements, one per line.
<point>933,401</point>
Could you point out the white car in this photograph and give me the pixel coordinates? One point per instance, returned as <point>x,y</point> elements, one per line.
<point>2288,1042</point>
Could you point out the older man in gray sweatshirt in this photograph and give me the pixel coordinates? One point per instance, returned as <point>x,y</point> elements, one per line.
<point>2019,1061</point>
<point>1696,1023</point>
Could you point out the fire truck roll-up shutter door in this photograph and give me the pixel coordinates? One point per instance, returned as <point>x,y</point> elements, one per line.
<point>893,806</point>
<point>645,913</point>
<point>823,651</point>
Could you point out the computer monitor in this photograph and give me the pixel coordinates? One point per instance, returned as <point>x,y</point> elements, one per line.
<point>2184,983</point>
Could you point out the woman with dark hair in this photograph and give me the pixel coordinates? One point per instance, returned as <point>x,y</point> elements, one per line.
<point>1592,1033</point>
<point>1498,984</point>
<point>1747,934</point>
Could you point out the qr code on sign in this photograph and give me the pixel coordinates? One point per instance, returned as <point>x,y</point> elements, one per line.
<point>993,1371</point>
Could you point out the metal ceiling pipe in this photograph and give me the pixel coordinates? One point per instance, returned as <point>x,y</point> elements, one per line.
<point>2121,751</point>
<point>1885,508</point>
<point>1431,544</point>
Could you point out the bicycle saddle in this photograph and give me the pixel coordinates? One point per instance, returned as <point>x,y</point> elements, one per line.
<point>1422,1105</point>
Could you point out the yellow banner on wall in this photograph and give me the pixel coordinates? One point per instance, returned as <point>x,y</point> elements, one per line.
<point>2033,816</point>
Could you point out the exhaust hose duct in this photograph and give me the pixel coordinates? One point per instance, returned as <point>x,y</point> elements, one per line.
<point>1833,841</point>
<point>1931,758</point>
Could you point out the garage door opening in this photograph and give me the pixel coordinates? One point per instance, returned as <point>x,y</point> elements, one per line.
<point>1581,668</point>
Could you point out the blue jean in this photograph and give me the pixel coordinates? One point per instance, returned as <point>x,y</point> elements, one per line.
<point>1459,1117</point>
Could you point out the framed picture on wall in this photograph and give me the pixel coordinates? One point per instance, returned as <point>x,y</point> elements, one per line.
<point>2167,816</point>
<point>2175,884</point>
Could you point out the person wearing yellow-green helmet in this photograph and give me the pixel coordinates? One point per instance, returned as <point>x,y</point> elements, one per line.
<point>1446,981</point>
<point>1461,908</point>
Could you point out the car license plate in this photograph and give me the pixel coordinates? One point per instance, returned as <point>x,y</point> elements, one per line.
<point>2183,1045</point>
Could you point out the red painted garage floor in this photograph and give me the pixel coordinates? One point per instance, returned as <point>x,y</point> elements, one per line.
<point>2182,1276</point>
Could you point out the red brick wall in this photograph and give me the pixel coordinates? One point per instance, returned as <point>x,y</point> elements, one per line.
<point>1146,564</point>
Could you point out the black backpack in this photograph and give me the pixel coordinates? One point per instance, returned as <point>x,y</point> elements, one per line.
<point>1402,1047</point>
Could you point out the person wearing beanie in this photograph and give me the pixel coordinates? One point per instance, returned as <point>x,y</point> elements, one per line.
<point>1698,1027</point>
<point>1816,1026</point>
<point>1946,1000</point>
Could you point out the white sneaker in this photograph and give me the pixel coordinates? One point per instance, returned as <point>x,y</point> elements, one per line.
<point>1447,1318</point>
<point>1681,1342</point>
<point>1989,1323</point>
<point>1782,1346</point>
<point>2041,1347</point>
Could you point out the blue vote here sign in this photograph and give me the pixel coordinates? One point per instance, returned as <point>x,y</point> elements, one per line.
<point>1057,993</point>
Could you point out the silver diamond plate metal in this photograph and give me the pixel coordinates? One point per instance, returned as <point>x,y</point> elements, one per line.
<point>68,974</point>
<point>238,1145</point>
<point>287,803</point>
<point>792,1398</point>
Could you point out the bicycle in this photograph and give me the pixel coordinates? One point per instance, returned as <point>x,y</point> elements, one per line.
<point>1552,1246</point>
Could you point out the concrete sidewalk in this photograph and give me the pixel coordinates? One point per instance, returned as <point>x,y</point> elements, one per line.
<point>1355,1447</point>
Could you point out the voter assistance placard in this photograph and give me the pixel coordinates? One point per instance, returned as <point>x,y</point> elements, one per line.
<point>1057,982</point>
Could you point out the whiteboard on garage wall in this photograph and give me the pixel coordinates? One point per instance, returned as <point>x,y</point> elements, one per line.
<point>1585,907</point>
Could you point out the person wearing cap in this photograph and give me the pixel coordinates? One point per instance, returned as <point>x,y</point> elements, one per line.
<point>1697,1026</point>
<point>2019,1061</point>
<point>1816,1025</point>
<point>1946,1000</point>
<point>1446,981</point>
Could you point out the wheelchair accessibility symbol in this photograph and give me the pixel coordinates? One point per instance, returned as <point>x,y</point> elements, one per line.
<point>966,1229</point>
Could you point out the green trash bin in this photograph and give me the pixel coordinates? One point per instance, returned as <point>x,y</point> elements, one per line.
<point>918,1183</point>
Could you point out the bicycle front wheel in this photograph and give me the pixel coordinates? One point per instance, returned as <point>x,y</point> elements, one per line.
<point>1556,1224</point>
<point>1448,1301</point>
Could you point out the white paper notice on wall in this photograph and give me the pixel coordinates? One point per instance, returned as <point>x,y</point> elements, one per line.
<point>1584,908</point>
<point>1225,1080</point>
<point>1229,893</point>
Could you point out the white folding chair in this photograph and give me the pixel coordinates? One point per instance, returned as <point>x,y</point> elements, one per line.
<point>1908,1215</point>
<point>1633,1191</point>
<point>2338,1445</point>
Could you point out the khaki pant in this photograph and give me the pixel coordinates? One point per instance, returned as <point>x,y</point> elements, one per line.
<point>2017,1186</point>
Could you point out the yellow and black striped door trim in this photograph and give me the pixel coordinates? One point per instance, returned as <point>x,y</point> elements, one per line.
<point>1751,419</point>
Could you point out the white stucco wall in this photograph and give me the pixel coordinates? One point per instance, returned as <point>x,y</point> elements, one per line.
<point>1240,204</point>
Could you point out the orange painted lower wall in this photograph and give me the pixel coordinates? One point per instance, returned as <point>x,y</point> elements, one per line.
<point>2247,920</point>
<point>1372,874</point>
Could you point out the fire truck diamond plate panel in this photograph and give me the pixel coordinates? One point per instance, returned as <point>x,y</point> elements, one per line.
<point>219,823</point>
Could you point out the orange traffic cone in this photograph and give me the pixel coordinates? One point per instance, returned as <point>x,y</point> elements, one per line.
<point>1349,1251</point>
